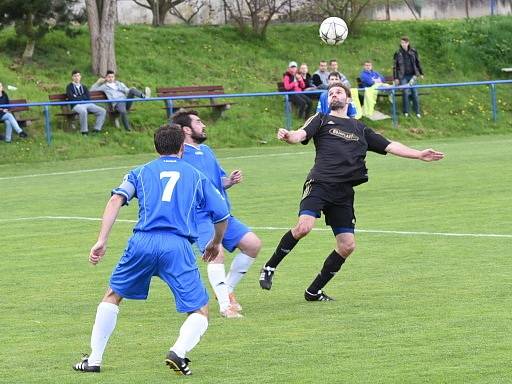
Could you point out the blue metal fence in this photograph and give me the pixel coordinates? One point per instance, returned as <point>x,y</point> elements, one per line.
<point>287,105</point>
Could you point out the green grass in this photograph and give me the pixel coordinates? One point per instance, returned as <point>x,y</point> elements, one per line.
<point>411,308</point>
<point>451,51</point>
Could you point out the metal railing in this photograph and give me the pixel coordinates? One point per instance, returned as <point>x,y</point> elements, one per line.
<point>287,108</point>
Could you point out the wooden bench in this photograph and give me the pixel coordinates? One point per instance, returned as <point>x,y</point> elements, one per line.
<point>22,120</point>
<point>69,116</point>
<point>214,103</point>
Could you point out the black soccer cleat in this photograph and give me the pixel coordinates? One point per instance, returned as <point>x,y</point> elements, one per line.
<point>178,364</point>
<point>320,296</point>
<point>83,366</point>
<point>266,275</point>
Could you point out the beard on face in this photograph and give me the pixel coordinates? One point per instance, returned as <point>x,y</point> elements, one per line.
<point>198,138</point>
<point>336,105</point>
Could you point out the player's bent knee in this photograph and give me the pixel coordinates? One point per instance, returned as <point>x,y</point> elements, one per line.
<point>112,297</point>
<point>301,230</point>
<point>346,249</point>
<point>203,311</point>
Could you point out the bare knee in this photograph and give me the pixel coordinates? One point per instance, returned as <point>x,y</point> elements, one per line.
<point>203,311</point>
<point>302,229</point>
<point>112,297</point>
<point>250,244</point>
<point>345,249</point>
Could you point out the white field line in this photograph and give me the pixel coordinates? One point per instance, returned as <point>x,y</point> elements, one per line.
<point>378,231</point>
<point>127,167</point>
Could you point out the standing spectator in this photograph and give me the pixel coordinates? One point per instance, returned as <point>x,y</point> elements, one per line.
<point>293,81</point>
<point>321,76</point>
<point>116,90</point>
<point>75,91</point>
<point>166,189</point>
<point>333,66</point>
<point>8,118</point>
<point>406,70</point>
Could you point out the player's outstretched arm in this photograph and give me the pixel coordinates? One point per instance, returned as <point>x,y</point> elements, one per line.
<point>213,247</point>
<point>109,217</point>
<point>399,149</point>
<point>291,137</point>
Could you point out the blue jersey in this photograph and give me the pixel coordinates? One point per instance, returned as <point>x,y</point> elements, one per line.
<point>169,190</point>
<point>203,159</point>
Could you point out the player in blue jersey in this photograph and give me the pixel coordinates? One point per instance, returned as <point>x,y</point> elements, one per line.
<point>237,235</point>
<point>168,190</point>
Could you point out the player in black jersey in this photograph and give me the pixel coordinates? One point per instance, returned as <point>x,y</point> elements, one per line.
<point>341,145</point>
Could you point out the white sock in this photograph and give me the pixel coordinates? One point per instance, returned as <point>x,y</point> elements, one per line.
<point>106,317</point>
<point>240,265</point>
<point>217,277</point>
<point>190,332</point>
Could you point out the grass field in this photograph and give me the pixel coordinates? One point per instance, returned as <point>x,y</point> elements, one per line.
<point>425,298</point>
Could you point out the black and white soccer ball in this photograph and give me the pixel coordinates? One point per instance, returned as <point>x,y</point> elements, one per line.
<point>333,31</point>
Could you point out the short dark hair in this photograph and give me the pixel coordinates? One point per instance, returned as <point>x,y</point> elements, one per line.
<point>405,38</point>
<point>74,72</point>
<point>367,62</point>
<point>341,85</point>
<point>335,74</point>
<point>168,139</point>
<point>109,72</point>
<point>333,61</point>
<point>183,117</point>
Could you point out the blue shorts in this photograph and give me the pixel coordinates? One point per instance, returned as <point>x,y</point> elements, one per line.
<point>162,254</point>
<point>234,232</point>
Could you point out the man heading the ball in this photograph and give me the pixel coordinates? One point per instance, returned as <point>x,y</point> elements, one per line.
<point>341,145</point>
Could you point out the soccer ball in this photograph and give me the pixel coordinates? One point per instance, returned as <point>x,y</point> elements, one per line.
<point>333,31</point>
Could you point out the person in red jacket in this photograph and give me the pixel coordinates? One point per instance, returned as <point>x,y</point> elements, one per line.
<point>293,82</point>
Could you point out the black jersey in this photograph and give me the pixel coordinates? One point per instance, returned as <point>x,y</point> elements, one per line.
<point>341,146</point>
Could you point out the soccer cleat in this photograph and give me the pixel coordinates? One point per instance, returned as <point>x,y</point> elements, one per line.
<point>266,275</point>
<point>178,364</point>
<point>234,302</point>
<point>320,296</point>
<point>231,313</point>
<point>83,366</point>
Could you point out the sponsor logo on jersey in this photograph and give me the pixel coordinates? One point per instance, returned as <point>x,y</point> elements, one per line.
<point>344,135</point>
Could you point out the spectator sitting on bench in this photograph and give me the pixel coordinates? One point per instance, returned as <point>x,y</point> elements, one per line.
<point>323,105</point>
<point>293,81</point>
<point>333,66</point>
<point>75,91</point>
<point>8,118</point>
<point>370,77</point>
<point>117,90</point>
<point>321,76</point>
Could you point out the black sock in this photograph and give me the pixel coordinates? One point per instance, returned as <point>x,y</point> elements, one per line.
<point>332,264</point>
<point>285,246</point>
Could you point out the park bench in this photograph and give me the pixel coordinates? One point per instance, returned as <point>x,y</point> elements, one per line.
<point>383,94</point>
<point>22,120</point>
<point>69,116</point>
<point>171,106</point>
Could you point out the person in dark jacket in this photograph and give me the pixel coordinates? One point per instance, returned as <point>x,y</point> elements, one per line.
<point>8,118</point>
<point>76,91</point>
<point>406,70</point>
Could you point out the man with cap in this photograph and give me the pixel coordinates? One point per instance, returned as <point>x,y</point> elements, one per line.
<point>293,82</point>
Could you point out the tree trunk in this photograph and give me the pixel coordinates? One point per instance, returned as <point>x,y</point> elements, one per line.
<point>28,53</point>
<point>102,23</point>
<point>388,13</point>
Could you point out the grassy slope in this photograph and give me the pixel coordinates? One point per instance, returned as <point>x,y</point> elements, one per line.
<point>452,51</point>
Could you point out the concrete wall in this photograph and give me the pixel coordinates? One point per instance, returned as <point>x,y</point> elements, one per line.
<point>213,12</point>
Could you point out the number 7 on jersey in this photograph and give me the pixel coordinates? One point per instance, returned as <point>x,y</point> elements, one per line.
<point>171,183</point>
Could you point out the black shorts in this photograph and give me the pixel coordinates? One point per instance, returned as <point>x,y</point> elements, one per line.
<point>336,200</point>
